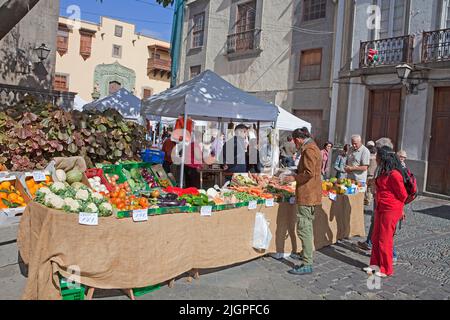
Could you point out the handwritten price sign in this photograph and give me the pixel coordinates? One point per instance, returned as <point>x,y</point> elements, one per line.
<point>38,176</point>
<point>206,211</point>
<point>140,215</point>
<point>269,202</point>
<point>88,219</point>
<point>252,205</point>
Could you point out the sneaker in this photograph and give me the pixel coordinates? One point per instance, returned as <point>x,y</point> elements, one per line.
<point>301,270</point>
<point>380,275</point>
<point>364,245</point>
<point>296,256</point>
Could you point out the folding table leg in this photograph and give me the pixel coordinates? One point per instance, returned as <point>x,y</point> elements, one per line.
<point>129,293</point>
<point>172,283</point>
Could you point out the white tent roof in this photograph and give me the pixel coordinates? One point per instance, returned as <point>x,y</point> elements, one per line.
<point>288,122</point>
<point>127,104</point>
<point>208,96</point>
<point>78,103</point>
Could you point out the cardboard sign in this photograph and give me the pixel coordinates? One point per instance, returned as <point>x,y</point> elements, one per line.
<point>252,205</point>
<point>88,219</point>
<point>39,176</point>
<point>269,202</point>
<point>140,215</point>
<point>206,211</point>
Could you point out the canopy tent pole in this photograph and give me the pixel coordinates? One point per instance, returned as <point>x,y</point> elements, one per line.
<point>183,151</point>
<point>275,143</point>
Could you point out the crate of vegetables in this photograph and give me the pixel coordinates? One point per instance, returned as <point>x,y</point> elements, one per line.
<point>13,197</point>
<point>98,181</point>
<point>33,181</point>
<point>132,172</point>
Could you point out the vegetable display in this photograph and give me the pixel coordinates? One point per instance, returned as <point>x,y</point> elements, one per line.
<point>34,186</point>
<point>96,184</point>
<point>134,179</point>
<point>10,196</point>
<point>62,196</point>
<point>121,197</point>
<point>149,178</point>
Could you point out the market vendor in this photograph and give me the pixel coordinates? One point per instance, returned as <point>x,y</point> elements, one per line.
<point>194,161</point>
<point>233,156</point>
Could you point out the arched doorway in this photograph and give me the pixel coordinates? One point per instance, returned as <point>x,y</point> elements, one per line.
<point>114,86</point>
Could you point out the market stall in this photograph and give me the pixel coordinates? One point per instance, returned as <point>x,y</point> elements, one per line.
<point>125,254</point>
<point>208,97</point>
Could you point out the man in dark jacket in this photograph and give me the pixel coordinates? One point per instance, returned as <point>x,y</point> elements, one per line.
<point>308,194</point>
<point>233,156</point>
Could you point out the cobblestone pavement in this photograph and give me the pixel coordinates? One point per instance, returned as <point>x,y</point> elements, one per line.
<point>422,271</point>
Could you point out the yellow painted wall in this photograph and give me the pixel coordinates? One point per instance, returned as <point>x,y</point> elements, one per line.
<point>134,56</point>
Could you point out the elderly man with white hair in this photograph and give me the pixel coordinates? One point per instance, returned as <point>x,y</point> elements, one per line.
<point>358,161</point>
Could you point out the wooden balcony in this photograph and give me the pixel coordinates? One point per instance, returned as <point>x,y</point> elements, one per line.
<point>391,51</point>
<point>436,46</point>
<point>161,66</point>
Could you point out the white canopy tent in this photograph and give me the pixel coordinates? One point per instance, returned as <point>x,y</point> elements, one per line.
<point>208,97</point>
<point>288,122</point>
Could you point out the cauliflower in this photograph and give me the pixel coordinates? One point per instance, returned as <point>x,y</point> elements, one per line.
<point>45,190</point>
<point>54,201</point>
<point>91,207</point>
<point>58,188</point>
<point>105,209</point>
<point>71,205</point>
<point>82,195</point>
<point>97,198</point>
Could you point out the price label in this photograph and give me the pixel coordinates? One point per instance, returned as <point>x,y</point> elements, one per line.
<point>140,215</point>
<point>206,211</point>
<point>292,200</point>
<point>269,202</point>
<point>332,196</point>
<point>88,219</point>
<point>252,205</point>
<point>38,176</point>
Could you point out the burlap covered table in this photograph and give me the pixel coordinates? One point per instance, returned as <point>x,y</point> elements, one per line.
<point>124,254</point>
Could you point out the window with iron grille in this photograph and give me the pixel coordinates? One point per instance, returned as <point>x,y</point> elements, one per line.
<point>60,83</point>
<point>314,9</point>
<point>118,31</point>
<point>310,65</point>
<point>448,15</point>
<point>393,15</point>
<point>117,51</point>
<point>198,30</point>
<point>195,71</point>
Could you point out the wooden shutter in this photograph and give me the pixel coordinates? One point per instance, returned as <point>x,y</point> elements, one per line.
<point>85,43</point>
<point>310,65</point>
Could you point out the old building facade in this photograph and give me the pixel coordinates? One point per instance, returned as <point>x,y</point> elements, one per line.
<point>374,101</point>
<point>96,60</point>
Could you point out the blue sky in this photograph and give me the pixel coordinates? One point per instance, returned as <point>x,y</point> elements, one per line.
<point>149,17</point>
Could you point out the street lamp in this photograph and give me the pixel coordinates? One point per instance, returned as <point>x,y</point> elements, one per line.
<point>42,52</point>
<point>403,72</point>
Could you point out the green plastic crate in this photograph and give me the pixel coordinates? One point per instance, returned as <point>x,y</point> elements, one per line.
<point>114,169</point>
<point>137,165</point>
<point>71,293</point>
<point>142,291</point>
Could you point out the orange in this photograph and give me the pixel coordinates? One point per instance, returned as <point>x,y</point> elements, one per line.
<point>5,185</point>
<point>13,197</point>
<point>3,195</point>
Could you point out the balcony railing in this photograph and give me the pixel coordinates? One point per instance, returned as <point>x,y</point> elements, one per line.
<point>158,64</point>
<point>243,41</point>
<point>11,95</point>
<point>391,51</point>
<point>436,46</point>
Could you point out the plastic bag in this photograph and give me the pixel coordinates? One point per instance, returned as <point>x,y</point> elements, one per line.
<point>261,234</point>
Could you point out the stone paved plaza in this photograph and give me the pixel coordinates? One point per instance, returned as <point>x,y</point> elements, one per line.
<point>422,271</point>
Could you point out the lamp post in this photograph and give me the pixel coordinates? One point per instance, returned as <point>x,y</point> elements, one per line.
<point>403,72</point>
<point>42,52</point>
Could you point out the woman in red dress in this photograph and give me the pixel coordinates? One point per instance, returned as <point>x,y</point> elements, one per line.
<point>390,199</point>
